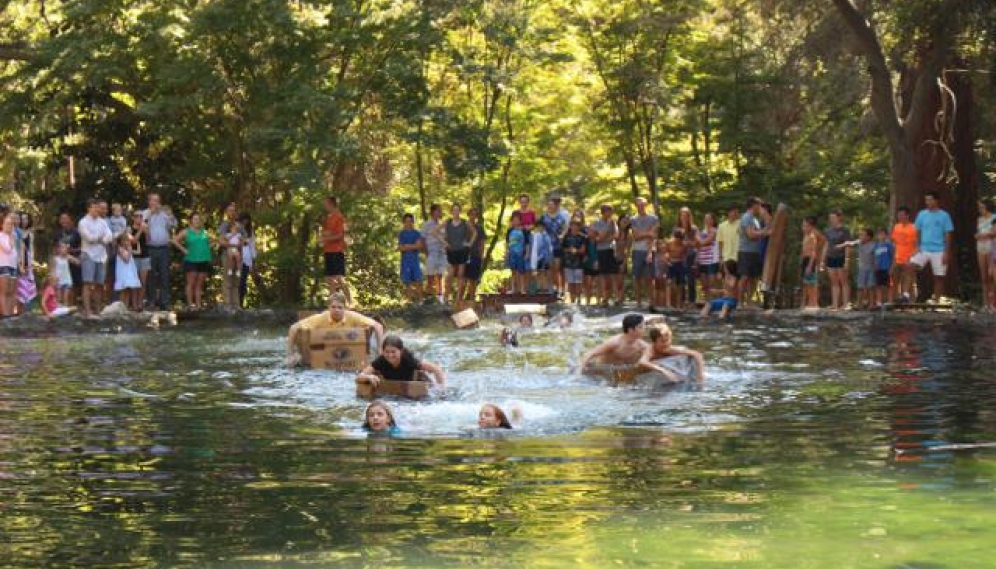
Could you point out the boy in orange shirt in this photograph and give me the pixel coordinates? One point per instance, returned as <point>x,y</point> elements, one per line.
<point>904,236</point>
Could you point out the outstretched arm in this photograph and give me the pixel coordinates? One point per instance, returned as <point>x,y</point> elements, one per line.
<point>293,354</point>
<point>598,351</point>
<point>647,364</point>
<point>699,361</point>
<point>439,376</point>
<point>370,323</point>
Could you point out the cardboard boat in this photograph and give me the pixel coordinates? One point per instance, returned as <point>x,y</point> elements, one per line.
<point>684,367</point>
<point>341,349</point>
<point>772,272</point>
<point>417,389</point>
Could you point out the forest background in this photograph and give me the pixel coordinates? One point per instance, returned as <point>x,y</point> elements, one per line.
<point>395,104</point>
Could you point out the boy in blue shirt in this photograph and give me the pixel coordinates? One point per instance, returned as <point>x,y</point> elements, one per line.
<point>410,243</point>
<point>934,227</point>
<point>885,252</point>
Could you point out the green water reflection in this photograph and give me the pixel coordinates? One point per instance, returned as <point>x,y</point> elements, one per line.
<point>808,447</point>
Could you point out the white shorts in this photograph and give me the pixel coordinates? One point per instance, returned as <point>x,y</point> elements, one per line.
<point>61,311</point>
<point>436,264</point>
<point>936,261</point>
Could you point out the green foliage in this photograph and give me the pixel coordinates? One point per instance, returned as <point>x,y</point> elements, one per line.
<point>395,105</point>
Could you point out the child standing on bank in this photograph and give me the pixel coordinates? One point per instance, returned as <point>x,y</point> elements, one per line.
<point>812,250</point>
<point>885,252</point>
<point>410,243</point>
<point>677,271</point>
<point>866,269</point>
<point>541,255</point>
<point>60,269</point>
<point>518,253</point>
<point>574,246</point>
<point>126,281</point>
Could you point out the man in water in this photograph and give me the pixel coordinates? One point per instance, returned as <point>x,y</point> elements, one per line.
<point>623,349</point>
<point>335,317</point>
<point>660,347</point>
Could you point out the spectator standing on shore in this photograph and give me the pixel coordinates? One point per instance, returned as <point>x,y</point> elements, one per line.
<point>409,244</point>
<point>475,260</point>
<point>574,246</point>
<point>333,237</point>
<point>604,232</point>
<point>983,250</point>
<point>810,254</point>
<point>836,262</point>
<point>459,235</point>
<point>118,225</point>
<point>556,220</point>
<point>527,217</point>
<point>140,252</point>
<point>689,234</point>
<point>934,227</point>
<point>434,237</point>
<point>195,244</point>
<point>159,222</point>
<point>708,255</point>
<point>728,235</point>
<point>904,237</point>
<point>885,252</point>
<point>644,233</point>
<point>232,237</point>
<point>95,235</point>
<point>249,255</point>
<point>622,253</point>
<point>749,263</point>
<point>67,233</point>
<point>27,289</point>
<point>8,263</point>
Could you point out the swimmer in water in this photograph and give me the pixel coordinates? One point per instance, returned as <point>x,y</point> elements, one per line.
<point>379,418</point>
<point>526,321</point>
<point>625,348</point>
<point>660,347</point>
<point>397,363</point>
<point>508,338</point>
<point>492,417</point>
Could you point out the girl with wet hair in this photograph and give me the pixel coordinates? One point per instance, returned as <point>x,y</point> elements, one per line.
<point>492,417</point>
<point>378,418</point>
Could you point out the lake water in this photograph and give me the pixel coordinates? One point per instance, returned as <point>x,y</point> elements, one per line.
<point>810,445</point>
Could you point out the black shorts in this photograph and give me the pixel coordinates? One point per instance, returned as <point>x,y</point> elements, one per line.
<point>457,257</point>
<point>558,253</point>
<point>881,277</point>
<point>204,267</point>
<point>749,264</point>
<point>335,264</point>
<point>607,262</point>
<point>730,266</point>
<point>472,272</point>
<point>589,271</point>
<point>836,262</point>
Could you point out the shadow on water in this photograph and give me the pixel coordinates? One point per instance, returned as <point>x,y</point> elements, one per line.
<point>195,447</point>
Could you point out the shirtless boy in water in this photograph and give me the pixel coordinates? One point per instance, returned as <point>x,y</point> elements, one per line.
<point>622,349</point>
<point>660,347</point>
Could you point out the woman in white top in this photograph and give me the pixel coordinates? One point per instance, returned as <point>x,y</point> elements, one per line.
<point>983,248</point>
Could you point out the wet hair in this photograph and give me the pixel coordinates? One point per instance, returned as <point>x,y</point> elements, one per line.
<point>658,331</point>
<point>392,341</point>
<point>337,297</point>
<point>385,407</point>
<point>408,216</point>
<point>528,317</point>
<point>503,422</point>
<point>631,321</point>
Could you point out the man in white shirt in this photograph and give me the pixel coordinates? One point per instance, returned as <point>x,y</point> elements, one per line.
<point>95,236</point>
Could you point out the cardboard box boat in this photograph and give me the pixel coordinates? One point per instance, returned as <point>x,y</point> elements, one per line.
<point>417,388</point>
<point>341,349</point>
